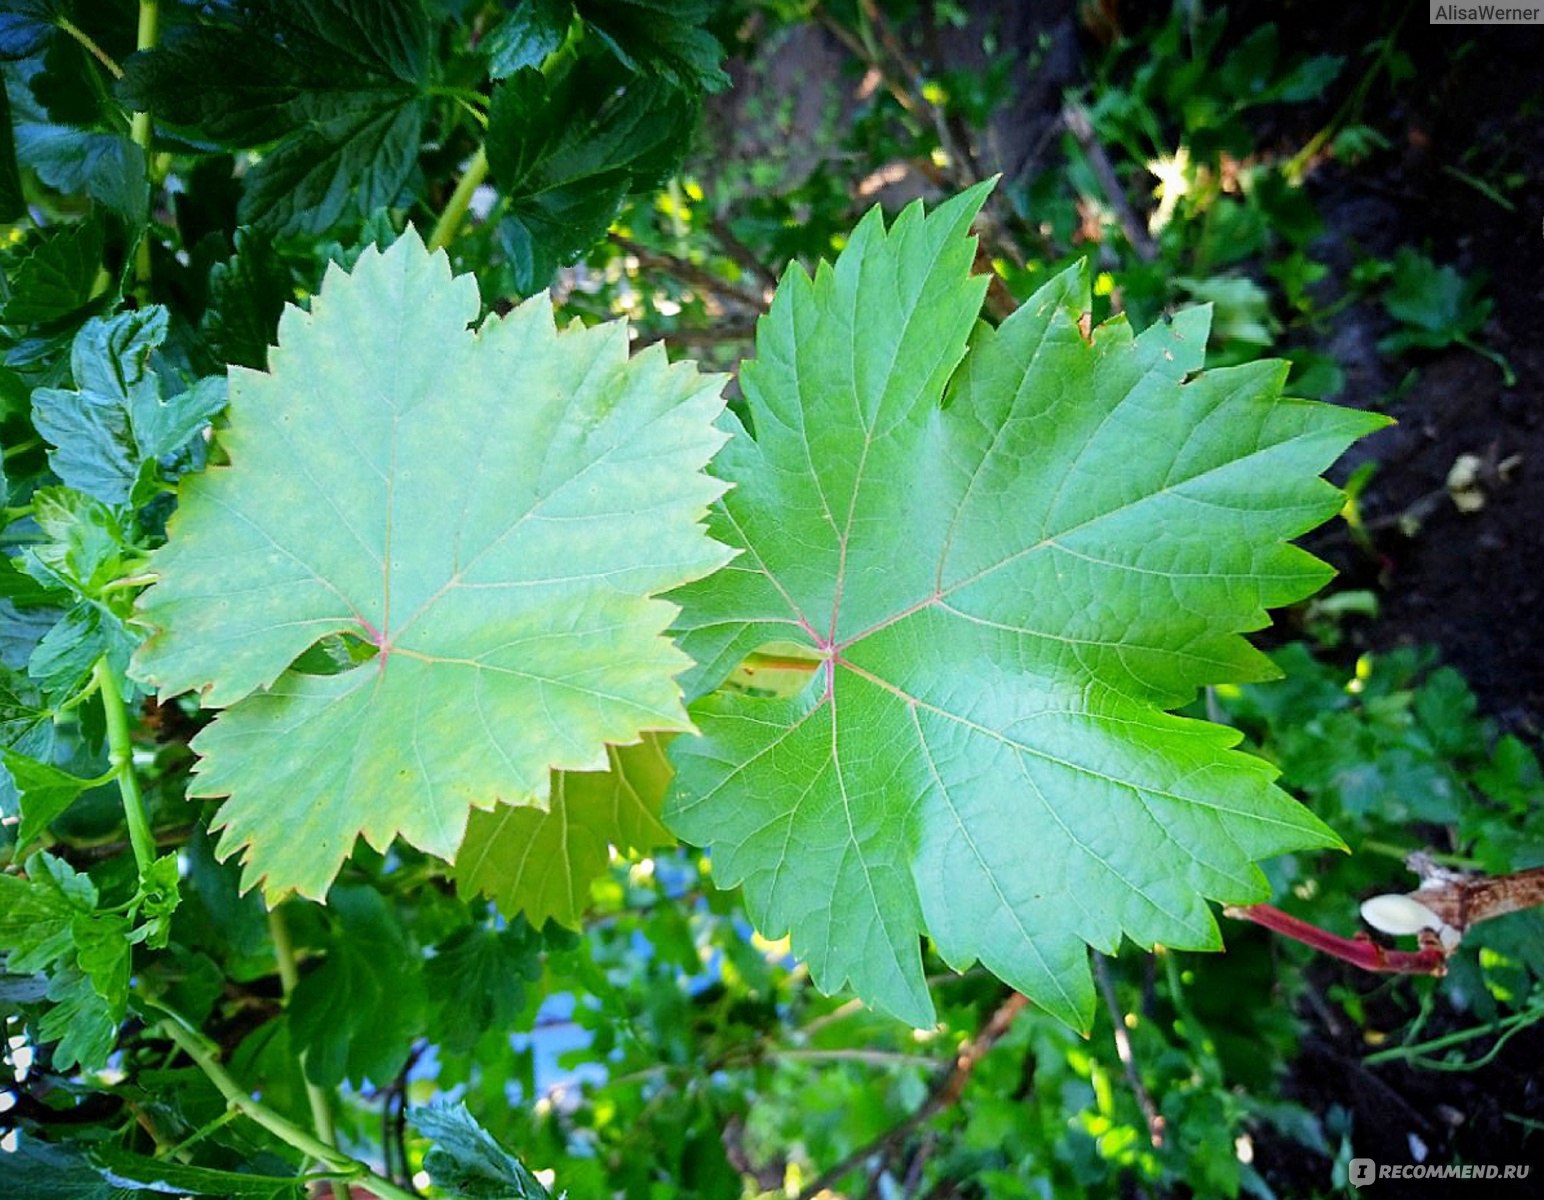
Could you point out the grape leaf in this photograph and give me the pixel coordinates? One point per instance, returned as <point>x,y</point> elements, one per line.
<point>665,37</point>
<point>44,792</point>
<point>338,87</point>
<point>1013,549</point>
<point>492,510</point>
<point>246,296</point>
<point>48,924</point>
<point>541,863</point>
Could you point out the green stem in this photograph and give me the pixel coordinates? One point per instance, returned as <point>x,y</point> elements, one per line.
<point>347,1168</point>
<point>86,40</point>
<point>1507,1027</point>
<point>289,976</point>
<point>461,199</point>
<point>140,133</point>
<point>120,757</point>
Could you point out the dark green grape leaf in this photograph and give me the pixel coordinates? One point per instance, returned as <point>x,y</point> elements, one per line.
<point>109,430</point>
<point>55,277</point>
<point>665,37</point>
<point>466,1162</point>
<point>540,863</point>
<point>108,167</point>
<point>527,35</point>
<point>1435,305</point>
<point>338,87</point>
<point>44,791</point>
<point>125,1169</point>
<point>566,154</point>
<point>355,1016</point>
<point>1013,550</point>
<point>246,295</point>
<point>477,980</point>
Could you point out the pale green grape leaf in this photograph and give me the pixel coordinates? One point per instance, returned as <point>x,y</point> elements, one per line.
<point>541,863</point>
<point>1013,550</point>
<point>495,510</point>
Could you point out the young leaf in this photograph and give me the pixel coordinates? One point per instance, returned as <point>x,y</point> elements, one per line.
<point>44,791</point>
<point>493,511</point>
<point>339,87</point>
<point>466,1162</point>
<point>48,924</point>
<point>1008,582</point>
<point>540,863</point>
<point>111,428</point>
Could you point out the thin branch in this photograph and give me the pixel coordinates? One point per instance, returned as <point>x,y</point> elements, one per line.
<point>338,1163</point>
<point>690,273</point>
<point>945,1093</point>
<point>289,976</point>
<point>141,133</point>
<point>1075,118</point>
<point>446,227</point>
<point>120,757</point>
<point>1123,1051</point>
<point>90,45</point>
<point>740,253</point>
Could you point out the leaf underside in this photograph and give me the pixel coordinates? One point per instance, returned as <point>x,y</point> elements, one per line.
<point>1013,550</point>
<point>492,511</point>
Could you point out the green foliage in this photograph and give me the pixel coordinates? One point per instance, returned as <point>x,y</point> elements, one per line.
<point>916,657</point>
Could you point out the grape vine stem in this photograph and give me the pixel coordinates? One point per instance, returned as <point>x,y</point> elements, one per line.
<point>349,1170</point>
<point>120,758</point>
<point>289,976</point>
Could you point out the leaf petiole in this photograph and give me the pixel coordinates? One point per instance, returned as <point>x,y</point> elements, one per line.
<point>120,757</point>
